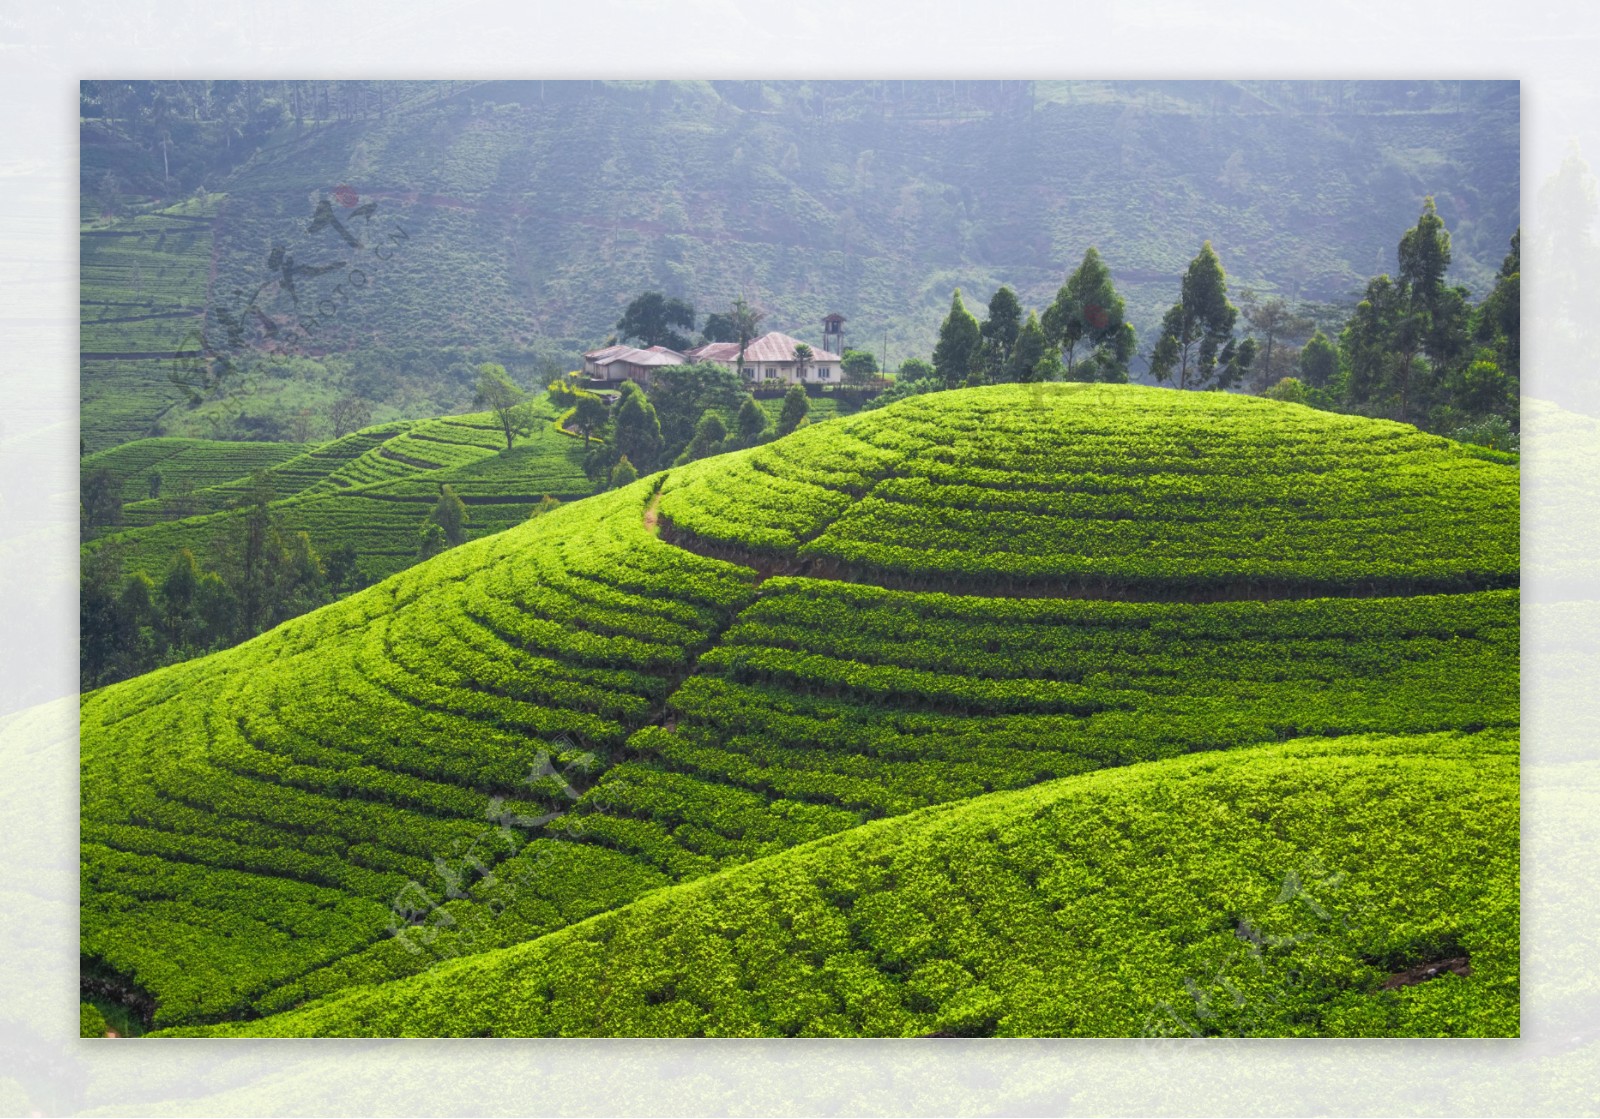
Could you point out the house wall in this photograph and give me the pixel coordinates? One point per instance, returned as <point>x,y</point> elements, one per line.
<point>824,373</point>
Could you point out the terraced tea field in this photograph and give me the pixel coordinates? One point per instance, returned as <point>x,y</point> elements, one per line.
<point>371,490</point>
<point>1001,711</point>
<point>144,282</point>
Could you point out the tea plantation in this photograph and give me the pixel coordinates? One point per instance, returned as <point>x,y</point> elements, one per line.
<point>837,705</point>
<point>371,490</point>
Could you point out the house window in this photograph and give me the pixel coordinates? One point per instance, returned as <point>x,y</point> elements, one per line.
<point>822,372</point>
<point>772,372</point>
<point>747,373</point>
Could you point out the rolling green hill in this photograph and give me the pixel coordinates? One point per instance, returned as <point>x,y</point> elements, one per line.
<point>512,221</point>
<point>650,686</point>
<point>370,491</point>
<point>184,465</point>
<point>1260,893</point>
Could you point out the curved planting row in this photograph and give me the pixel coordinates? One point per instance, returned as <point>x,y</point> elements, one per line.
<point>183,464</point>
<point>845,700</point>
<point>1258,893</point>
<point>256,814</point>
<point>545,725</point>
<point>1105,488</point>
<point>369,492</point>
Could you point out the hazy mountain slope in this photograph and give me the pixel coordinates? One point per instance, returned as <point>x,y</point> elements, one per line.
<point>518,218</point>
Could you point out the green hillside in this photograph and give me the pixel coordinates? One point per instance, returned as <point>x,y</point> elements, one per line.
<point>144,284</point>
<point>649,686</point>
<point>512,221</point>
<point>182,466</point>
<point>1260,893</point>
<point>370,491</point>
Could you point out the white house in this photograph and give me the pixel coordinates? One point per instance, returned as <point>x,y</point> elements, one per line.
<point>770,359</point>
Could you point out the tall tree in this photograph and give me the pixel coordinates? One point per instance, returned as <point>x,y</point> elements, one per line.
<point>710,438</point>
<point>802,358</point>
<point>100,500</point>
<point>959,338</point>
<point>636,431</point>
<point>178,591</point>
<point>1028,361</point>
<point>1409,335</point>
<point>1087,323</point>
<point>1441,310</point>
<point>1271,320</point>
<point>1196,345</point>
<point>795,406</point>
<point>590,413</point>
<point>510,405</point>
<point>752,422</point>
<point>349,413</point>
<point>1319,361</point>
<point>999,332</point>
<point>719,328</point>
<point>859,367</point>
<point>746,321</point>
<point>652,317</point>
<point>450,514</point>
<point>1497,321</point>
<point>682,394</point>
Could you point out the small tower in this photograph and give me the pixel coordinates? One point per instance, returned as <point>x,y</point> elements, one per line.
<point>833,333</point>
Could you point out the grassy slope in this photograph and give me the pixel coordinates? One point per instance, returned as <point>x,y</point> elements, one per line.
<point>1114,487</point>
<point>185,464</point>
<point>144,283</point>
<point>1264,892</point>
<point>371,490</point>
<point>350,760</point>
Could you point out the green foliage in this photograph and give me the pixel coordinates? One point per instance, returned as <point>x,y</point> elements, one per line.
<point>999,334</point>
<point>91,1023</point>
<point>682,395</point>
<point>432,541</point>
<point>710,438</point>
<point>651,319</point>
<point>1195,346</point>
<point>1291,390</point>
<point>1273,892</point>
<point>471,760</point>
<point>291,788</point>
<point>1275,322</point>
<point>506,401</point>
<point>360,499</point>
<point>1028,361</point>
<point>623,474</point>
<point>795,406</point>
<point>751,424</point>
<point>1319,361</point>
<point>1088,312</point>
<point>1493,432</point>
<point>959,339</point>
<point>450,514</point>
<point>860,367</point>
<point>1111,488</point>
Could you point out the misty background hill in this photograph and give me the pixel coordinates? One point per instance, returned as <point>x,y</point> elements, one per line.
<point>516,219</point>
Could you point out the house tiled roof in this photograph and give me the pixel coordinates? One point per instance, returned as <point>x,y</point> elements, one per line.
<point>715,351</point>
<point>656,355</point>
<point>780,347</point>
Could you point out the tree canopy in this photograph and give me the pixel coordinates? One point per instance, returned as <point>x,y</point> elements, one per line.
<point>652,319</point>
<point>1196,347</point>
<point>1087,323</point>
<point>959,339</point>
